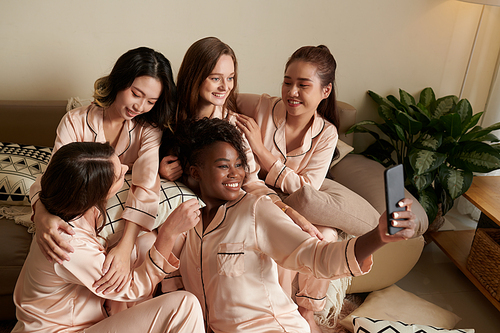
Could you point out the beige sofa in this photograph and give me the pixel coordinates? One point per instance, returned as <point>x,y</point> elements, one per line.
<point>34,123</point>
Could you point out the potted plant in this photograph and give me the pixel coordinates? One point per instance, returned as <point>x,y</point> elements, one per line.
<point>438,142</point>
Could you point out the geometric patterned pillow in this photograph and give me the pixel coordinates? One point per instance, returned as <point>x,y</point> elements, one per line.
<point>19,167</point>
<point>366,325</point>
<point>172,194</point>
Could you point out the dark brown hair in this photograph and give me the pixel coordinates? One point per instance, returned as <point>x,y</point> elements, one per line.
<point>78,178</point>
<point>141,61</point>
<point>199,61</point>
<point>321,57</point>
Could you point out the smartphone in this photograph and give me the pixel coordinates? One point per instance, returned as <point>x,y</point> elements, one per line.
<point>394,193</point>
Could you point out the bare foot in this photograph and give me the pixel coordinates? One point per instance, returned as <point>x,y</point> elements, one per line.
<point>309,317</point>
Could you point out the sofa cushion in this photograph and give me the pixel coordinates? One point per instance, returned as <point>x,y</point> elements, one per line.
<point>335,206</point>
<point>362,324</point>
<point>393,303</point>
<point>19,167</point>
<point>172,194</point>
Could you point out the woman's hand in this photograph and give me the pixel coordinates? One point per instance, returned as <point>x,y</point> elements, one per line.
<point>48,234</point>
<point>249,127</point>
<point>184,217</point>
<point>406,220</point>
<point>300,220</point>
<point>116,267</point>
<point>116,270</point>
<point>170,168</point>
<point>251,130</point>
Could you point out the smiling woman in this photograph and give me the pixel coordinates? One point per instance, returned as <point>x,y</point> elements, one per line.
<point>294,139</point>
<point>229,259</point>
<point>131,106</point>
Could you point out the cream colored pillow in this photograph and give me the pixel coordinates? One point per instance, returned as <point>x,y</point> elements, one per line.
<point>344,149</point>
<point>172,194</point>
<point>395,304</point>
<point>362,324</point>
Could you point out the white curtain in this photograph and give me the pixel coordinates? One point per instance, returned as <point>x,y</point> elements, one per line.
<point>492,112</point>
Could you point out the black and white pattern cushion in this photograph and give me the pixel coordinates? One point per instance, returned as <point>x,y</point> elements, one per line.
<point>172,194</point>
<point>368,325</point>
<point>19,167</point>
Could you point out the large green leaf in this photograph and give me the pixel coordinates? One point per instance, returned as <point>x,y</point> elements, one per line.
<point>427,97</point>
<point>360,125</point>
<point>386,113</point>
<point>421,113</point>
<point>452,124</point>
<point>406,98</point>
<point>442,196</point>
<point>475,157</point>
<point>428,200</point>
<point>423,160</point>
<point>422,181</point>
<point>443,106</point>
<point>471,123</point>
<point>482,132</point>
<point>488,137</point>
<point>409,124</point>
<point>430,142</point>
<point>464,109</point>
<point>397,103</point>
<point>379,99</point>
<point>401,133</point>
<point>455,182</point>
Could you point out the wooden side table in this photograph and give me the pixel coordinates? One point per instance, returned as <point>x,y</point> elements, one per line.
<point>484,193</point>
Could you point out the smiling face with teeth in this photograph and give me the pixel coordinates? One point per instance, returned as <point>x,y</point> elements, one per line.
<point>301,90</point>
<point>220,175</point>
<point>216,88</point>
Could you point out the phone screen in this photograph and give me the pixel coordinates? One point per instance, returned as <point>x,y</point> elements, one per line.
<point>394,192</point>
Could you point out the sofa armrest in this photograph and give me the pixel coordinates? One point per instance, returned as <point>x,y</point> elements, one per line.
<point>366,177</point>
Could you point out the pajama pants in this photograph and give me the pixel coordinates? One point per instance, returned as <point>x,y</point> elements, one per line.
<point>175,312</point>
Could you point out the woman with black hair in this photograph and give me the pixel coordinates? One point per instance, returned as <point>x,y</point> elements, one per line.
<point>132,105</point>
<point>229,259</point>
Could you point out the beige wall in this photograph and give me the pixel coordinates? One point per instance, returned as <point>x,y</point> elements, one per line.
<point>55,49</point>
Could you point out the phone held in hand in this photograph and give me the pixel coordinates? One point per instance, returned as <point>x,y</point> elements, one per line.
<point>394,192</point>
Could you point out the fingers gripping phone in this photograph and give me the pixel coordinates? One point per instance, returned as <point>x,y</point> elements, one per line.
<point>394,192</point>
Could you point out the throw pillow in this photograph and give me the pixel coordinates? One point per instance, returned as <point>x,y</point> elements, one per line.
<point>374,325</point>
<point>19,167</point>
<point>172,194</point>
<point>395,304</point>
<point>344,149</point>
<point>334,205</point>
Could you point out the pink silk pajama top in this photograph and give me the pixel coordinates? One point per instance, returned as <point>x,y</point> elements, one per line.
<point>232,266</point>
<point>60,298</point>
<point>307,164</point>
<point>137,148</point>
